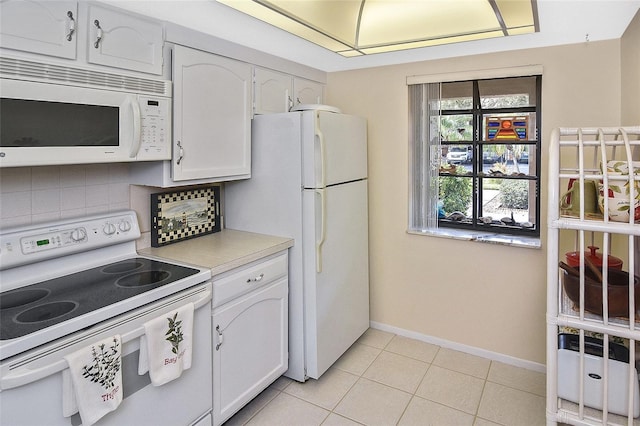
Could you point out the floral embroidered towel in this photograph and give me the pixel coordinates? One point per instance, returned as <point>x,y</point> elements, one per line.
<point>96,377</point>
<point>165,348</point>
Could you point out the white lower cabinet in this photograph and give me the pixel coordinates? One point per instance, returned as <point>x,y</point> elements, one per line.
<point>250,334</point>
<point>204,421</point>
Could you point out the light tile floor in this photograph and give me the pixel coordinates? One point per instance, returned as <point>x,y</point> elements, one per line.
<point>385,379</point>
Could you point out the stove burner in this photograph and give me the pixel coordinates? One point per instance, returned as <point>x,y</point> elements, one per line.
<point>36,307</point>
<point>143,278</point>
<point>124,266</point>
<point>46,312</point>
<point>19,297</point>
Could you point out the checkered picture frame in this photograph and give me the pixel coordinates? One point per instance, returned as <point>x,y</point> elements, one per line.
<point>178,216</point>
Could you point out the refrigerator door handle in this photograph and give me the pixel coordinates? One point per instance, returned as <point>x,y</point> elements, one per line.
<point>323,220</point>
<point>320,139</point>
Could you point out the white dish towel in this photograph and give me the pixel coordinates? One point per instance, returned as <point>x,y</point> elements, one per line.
<point>93,382</point>
<point>166,346</point>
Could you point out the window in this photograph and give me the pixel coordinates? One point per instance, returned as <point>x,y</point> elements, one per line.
<point>475,155</point>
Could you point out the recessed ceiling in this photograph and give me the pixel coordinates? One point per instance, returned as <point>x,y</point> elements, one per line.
<point>361,27</point>
<point>561,22</point>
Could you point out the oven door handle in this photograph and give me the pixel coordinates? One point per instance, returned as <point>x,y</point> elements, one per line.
<point>24,375</point>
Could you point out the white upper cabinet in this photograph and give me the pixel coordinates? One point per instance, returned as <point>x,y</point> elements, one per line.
<point>212,116</point>
<point>277,92</point>
<point>272,91</point>
<point>44,27</point>
<point>118,39</point>
<point>307,92</point>
<point>82,31</point>
<point>211,123</point>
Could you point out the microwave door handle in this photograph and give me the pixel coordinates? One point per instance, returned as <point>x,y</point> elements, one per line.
<point>137,127</point>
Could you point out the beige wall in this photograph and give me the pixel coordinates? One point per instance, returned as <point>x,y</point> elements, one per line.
<point>482,295</point>
<point>630,60</point>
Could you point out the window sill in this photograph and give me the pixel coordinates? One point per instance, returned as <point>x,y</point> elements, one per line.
<point>482,237</point>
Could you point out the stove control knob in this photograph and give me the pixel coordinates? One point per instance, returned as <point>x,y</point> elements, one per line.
<point>125,226</point>
<point>109,229</point>
<point>78,234</point>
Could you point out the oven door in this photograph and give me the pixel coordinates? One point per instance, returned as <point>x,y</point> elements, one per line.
<point>31,383</point>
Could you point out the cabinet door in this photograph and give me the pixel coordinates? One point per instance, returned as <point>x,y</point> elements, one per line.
<point>307,92</point>
<point>250,338</point>
<point>272,92</point>
<point>44,27</point>
<point>212,116</point>
<point>117,39</point>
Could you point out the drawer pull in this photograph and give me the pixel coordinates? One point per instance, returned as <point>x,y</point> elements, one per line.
<point>256,279</point>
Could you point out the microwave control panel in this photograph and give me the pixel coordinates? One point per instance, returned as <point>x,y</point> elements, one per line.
<point>155,128</point>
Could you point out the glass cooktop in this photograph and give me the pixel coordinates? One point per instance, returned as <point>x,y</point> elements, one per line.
<point>38,306</point>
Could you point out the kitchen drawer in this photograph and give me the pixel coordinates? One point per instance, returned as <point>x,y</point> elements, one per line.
<point>236,282</point>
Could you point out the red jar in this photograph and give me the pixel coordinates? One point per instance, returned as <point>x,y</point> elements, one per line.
<point>573,258</point>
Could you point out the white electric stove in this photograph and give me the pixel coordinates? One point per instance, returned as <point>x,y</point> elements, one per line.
<point>69,283</point>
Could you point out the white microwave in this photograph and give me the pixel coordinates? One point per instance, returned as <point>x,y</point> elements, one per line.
<point>52,114</point>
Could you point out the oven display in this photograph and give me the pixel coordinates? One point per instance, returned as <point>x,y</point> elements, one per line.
<point>53,240</point>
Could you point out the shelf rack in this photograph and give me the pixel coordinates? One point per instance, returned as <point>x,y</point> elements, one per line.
<point>582,154</point>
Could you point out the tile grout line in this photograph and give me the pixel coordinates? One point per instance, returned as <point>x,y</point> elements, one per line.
<point>413,394</point>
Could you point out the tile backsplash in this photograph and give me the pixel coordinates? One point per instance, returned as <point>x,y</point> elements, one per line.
<point>35,194</point>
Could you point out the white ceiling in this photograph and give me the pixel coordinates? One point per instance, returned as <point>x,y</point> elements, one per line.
<point>561,22</point>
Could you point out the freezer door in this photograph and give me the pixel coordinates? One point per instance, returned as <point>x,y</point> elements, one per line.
<point>334,148</point>
<point>336,271</point>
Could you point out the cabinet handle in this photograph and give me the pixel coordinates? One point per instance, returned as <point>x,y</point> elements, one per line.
<point>72,25</point>
<point>180,153</point>
<point>220,338</point>
<point>289,101</point>
<point>256,279</point>
<point>99,34</point>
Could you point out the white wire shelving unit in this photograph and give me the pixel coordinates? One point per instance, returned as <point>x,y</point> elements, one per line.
<point>581,155</point>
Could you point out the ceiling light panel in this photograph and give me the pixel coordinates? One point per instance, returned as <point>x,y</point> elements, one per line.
<point>356,27</point>
<point>284,22</point>
<point>428,43</point>
<point>514,14</point>
<point>336,18</point>
<point>387,22</point>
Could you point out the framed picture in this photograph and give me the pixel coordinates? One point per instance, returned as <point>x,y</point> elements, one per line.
<point>178,216</point>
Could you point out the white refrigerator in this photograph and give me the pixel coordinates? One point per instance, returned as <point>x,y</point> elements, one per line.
<point>309,182</point>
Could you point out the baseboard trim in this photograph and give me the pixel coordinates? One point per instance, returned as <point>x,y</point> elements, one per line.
<point>472,350</point>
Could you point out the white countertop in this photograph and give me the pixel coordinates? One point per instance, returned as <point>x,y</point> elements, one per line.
<point>221,251</point>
